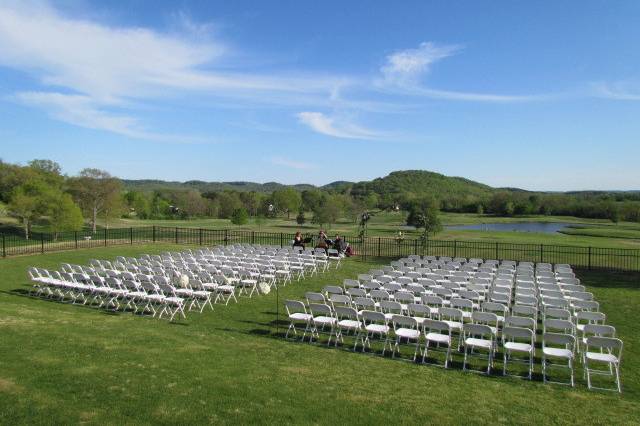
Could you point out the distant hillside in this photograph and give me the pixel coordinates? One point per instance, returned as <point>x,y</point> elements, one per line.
<point>409,181</point>
<point>423,182</point>
<point>156,185</point>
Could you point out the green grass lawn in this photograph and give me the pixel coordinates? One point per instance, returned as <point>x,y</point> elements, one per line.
<point>62,364</point>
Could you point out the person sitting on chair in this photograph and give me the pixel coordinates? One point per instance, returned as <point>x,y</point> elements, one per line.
<point>298,241</point>
<point>340,245</point>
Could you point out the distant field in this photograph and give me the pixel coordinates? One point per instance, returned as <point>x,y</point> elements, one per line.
<point>591,232</point>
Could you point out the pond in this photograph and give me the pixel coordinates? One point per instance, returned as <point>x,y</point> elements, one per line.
<point>544,227</point>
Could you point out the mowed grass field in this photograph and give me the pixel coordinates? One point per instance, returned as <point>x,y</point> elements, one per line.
<point>69,364</point>
<point>586,233</point>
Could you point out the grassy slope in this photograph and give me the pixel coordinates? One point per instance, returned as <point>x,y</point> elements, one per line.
<point>67,364</point>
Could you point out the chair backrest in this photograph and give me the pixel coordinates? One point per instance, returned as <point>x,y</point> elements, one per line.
<point>525,322</point>
<point>557,313</point>
<point>524,310</point>
<point>333,289</point>
<point>495,308</point>
<point>450,313</point>
<point>590,317</point>
<point>369,317</point>
<point>565,340</point>
<point>339,299</point>
<point>418,310</point>
<point>599,330</point>
<point>345,312</point>
<point>320,309</point>
<point>356,292</point>
<point>609,344</point>
<point>488,318</point>
<point>517,333</point>
<point>402,321</point>
<point>313,297</point>
<point>479,330</point>
<point>379,295</point>
<point>364,303</point>
<point>556,324</point>
<point>404,297</point>
<point>390,306</point>
<point>430,325</point>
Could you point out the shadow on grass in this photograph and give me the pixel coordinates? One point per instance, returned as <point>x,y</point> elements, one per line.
<point>609,279</point>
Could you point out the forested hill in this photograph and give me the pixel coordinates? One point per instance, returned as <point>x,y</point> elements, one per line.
<point>423,182</point>
<point>400,182</point>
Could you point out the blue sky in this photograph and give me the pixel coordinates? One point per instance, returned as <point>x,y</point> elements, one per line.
<point>538,95</point>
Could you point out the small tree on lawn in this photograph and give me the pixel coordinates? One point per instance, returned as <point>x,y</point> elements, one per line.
<point>424,214</point>
<point>240,216</point>
<point>65,215</point>
<point>300,219</point>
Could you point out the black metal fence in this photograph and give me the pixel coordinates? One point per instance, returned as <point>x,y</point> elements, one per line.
<point>368,247</point>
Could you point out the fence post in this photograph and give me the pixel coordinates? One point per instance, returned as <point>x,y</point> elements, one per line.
<point>153,233</point>
<point>226,236</point>
<point>200,237</point>
<point>415,246</point>
<point>541,253</point>
<point>589,257</point>
<point>281,240</point>
<point>42,242</point>
<point>131,235</point>
<point>455,248</point>
<point>4,246</point>
<point>379,252</point>
<point>253,237</point>
<point>497,258</point>
<point>75,237</point>
<point>105,237</point>
<point>176,235</point>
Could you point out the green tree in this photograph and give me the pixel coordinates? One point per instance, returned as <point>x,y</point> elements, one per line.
<point>424,214</point>
<point>98,193</point>
<point>327,212</point>
<point>240,216</point>
<point>287,200</point>
<point>65,214</point>
<point>27,206</point>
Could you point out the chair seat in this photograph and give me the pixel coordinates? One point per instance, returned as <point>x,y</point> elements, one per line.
<point>557,353</point>
<point>299,316</point>
<point>408,333</point>
<point>377,328</point>
<point>518,347</point>
<point>174,300</point>
<point>602,357</point>
<point>350,324</point>
<point>478,343</point>
<point>226,288</point>
<point>439,338</point>
<point>324,320</point>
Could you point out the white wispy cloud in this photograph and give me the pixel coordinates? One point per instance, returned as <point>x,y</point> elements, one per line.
<point>622,91</point>
<point>292,164</point>
<point>404,71</point>
<point>408,66</point>
<point>90,72</point>
<point>329,126</point>
<point>84,111</point>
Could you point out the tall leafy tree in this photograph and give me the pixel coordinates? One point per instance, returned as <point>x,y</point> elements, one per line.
<point>287,199</point>
<point>424,214</point>
<point>65,215</point>
<point>98,193</point>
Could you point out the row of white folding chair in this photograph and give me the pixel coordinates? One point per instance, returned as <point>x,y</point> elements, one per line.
<point>109,292</point>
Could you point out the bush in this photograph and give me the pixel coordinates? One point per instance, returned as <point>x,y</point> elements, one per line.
<point>240,216</point>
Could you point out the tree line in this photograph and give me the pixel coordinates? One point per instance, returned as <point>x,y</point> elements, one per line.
<point>39,193</point>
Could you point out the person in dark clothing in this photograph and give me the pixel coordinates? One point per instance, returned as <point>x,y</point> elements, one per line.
<point>298,241</point>
<point>339,244</point>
